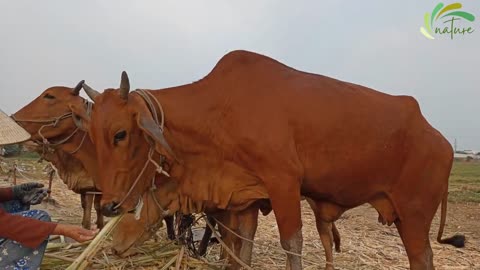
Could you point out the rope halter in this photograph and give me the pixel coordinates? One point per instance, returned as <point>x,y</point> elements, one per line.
<point>53,122</point>
<point>147,97</point>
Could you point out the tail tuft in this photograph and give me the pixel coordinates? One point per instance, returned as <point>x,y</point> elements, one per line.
<point>457,240</point>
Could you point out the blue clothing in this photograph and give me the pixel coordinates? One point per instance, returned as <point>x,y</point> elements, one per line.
<point>14,256</point>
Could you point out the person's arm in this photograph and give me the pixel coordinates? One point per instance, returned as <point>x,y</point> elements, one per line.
<point>31,232</point>
<point>75,232</point>
<point>6,194</point>
<point>27,231</point>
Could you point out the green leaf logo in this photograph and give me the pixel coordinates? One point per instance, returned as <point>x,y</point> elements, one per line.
<point>437,13</point>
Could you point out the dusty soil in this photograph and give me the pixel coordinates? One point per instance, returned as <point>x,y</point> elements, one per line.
<point>366,244</point>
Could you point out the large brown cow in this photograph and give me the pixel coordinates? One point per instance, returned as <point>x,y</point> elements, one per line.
<point>274,130</point>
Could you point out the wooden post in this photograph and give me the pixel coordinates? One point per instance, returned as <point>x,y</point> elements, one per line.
<point>51,173</point>
<point>15,174</point>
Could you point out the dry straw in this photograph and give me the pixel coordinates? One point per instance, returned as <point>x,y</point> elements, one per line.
<point>83,260</point>
<point>97,254</point>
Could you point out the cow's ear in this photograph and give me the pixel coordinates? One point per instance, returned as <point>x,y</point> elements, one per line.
<point>80,116</point>
<point>150,127</point>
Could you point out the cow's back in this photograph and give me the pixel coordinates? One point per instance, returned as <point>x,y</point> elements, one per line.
<point>341,138</point>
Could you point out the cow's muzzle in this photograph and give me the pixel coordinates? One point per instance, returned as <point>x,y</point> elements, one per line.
<point>110,209</point>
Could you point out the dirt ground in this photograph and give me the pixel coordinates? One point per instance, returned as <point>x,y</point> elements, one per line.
<point>366,244</point>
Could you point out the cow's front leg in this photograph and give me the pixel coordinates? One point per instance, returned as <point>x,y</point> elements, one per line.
<point>285,198</point>
<point>169,220</point>
<point>202,247</point>
<point>98,210</point>
<point>87,201</point>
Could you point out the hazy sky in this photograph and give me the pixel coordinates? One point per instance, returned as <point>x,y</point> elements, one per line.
<point>167,43</point>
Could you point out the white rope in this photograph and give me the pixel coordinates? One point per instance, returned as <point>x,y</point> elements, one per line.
<point>270,247</point>
<point>24,176</point>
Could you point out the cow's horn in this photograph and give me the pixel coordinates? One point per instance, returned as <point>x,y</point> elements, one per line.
<point>77,88</point>
<point>124,86</point>
<point>90,91</point>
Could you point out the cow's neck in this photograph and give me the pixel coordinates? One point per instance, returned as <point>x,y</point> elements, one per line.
<point>171,198</point>
<point>83,150</point>
<point>167,194</point>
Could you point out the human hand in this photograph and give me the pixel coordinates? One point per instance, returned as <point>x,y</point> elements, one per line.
<point>75,232</point>
<point>30,193</point>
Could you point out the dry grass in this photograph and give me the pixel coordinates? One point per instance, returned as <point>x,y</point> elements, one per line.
<point>153,255</point>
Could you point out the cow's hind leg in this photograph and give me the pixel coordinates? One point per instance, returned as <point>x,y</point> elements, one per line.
<point>325,231</point>
<point>325,213</point>
<point>98,210</point>
<point>415,237</point>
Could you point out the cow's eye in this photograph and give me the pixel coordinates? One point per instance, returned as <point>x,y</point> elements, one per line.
<point>48,96</point>
<point>120,136</point>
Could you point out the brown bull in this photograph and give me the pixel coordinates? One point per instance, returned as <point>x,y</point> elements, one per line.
<point>254,127</point>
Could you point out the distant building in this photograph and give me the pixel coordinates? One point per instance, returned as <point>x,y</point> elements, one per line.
<point>466,154</point>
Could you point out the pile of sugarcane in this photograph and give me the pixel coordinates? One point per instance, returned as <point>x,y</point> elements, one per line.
<point>96,254</point>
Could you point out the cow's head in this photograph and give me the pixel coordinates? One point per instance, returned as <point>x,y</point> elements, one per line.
<point>51,115</point>
<point>131,233</point>
<point>123,131</point>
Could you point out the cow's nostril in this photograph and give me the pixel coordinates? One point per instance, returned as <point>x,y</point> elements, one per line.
<point>110,209</point>
<point>114,205</point>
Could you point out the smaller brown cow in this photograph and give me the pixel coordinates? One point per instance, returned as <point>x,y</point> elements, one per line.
<point>74,175</point>
<point>62,148</point>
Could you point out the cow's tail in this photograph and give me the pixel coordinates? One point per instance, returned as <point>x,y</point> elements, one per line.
<point>457,240</point>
